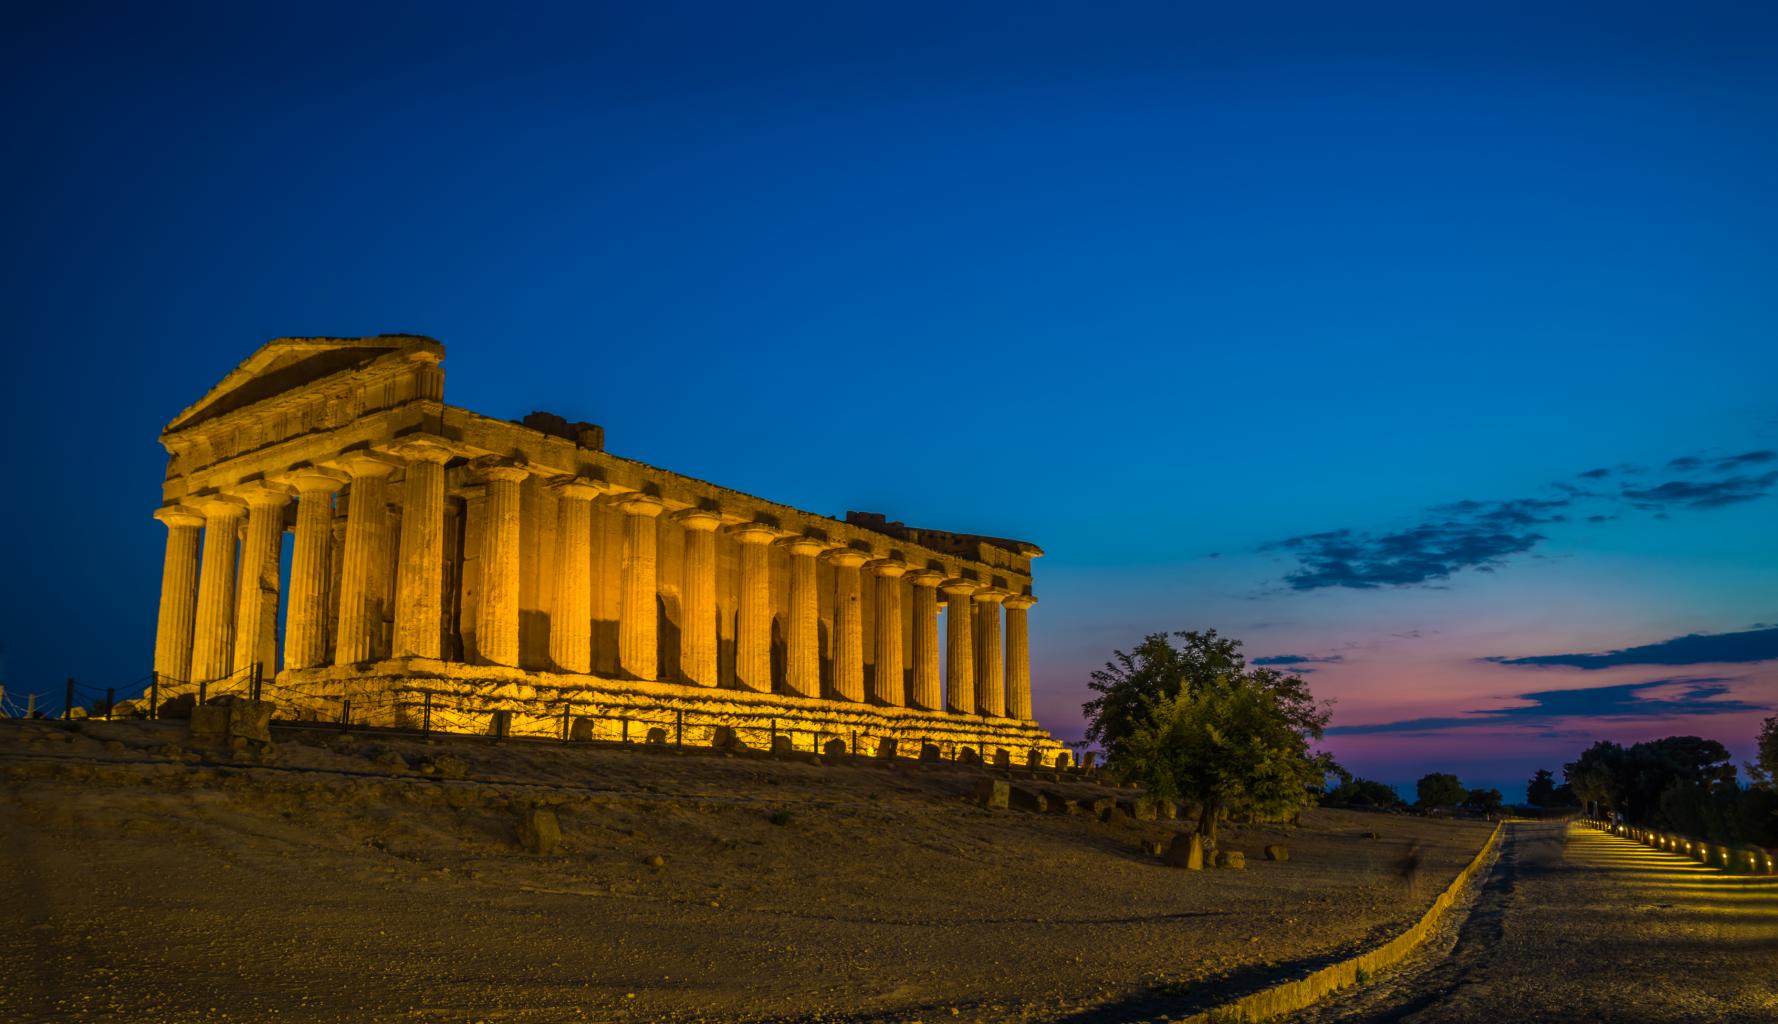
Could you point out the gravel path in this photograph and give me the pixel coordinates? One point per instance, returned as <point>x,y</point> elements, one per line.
<point>1574,925</point>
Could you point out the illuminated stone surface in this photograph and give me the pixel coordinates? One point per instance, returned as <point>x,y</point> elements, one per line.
<point>519,568</point>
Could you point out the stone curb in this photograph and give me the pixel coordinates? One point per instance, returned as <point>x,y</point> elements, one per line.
<point>1291,996</point>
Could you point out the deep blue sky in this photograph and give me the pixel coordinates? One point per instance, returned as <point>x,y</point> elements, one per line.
<point>1145,285</point>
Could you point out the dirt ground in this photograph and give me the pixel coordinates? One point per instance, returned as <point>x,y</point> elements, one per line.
<point>340,882</point>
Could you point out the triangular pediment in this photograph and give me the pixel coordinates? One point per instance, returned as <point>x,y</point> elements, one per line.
<point>284,364</point>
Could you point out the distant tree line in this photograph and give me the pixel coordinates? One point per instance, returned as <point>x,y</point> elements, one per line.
<point>1685,784</point>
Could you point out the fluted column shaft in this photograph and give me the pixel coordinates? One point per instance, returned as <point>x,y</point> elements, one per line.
<point>497,613</point>
<point>571,605</point>
<point>802,658</point>
<point>697,635</point>
<point>305,623</point>
<point>257,586</point>
<point>1018,657</point>
<point>848,647</point>
<point>753,617</point>
<point>959,647</point>
<point>213,628</point>
<point>889,687</point>
<point>419,590</point>
<point>179,594</point>
<point>638,632</point>
<point>926,689</point>
<point>367,517</point>
<point>990,676</point>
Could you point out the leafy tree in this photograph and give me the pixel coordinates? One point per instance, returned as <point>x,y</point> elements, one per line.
<point>1631,780</point>
<point>1541,790</point>
<point>1229,744</point>
<point>1361,793</point>
<point>1440,789</point>
<point>1131,683</point>
<point>1487,800</point>
<point>1765,769</point>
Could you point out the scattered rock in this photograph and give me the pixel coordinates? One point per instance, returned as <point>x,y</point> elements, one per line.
<point>886,748</point>
<point>209,723</point>
<point>1115,815</point>
<point>994,794</point>
<point>1023,799</point>
<point>449,767</point>
<point>1186,851</point>
<point>539,831</point>
<point>1153,847</point>
<point>1056,803</point>
<point>114,746</point>
<point>656,736</point>
<point>782,747</point>
<point>1002,758</point>
<point>580,729</point>
<point>1232,859</point>
<point>967,755</point>
<point>726,738</point>
<point>1101,806</point>
<point>390,759</point>
<point>1372,835</point>
<point>1277,852</point>
<point>930,752</point>
<point>834,748</point>
<point>657,861</point>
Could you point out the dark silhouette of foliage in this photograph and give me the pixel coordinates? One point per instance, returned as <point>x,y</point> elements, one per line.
<point>1488,801</point>
<point>1629,781</point>
<point>1361,793</point>
<point>1130,683</point>
<point>1440,789</point>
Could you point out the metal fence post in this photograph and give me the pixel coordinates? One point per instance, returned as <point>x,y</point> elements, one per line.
<point>68,705</point>
<point>345,713</point>
<point>679,729</point>
<point>256,678</point>
<point>426,717</point>
<point>154,695</point>
<point>203,691</point>
<point>565,708</point>
<point>626,724</point>
<point>110,699</point>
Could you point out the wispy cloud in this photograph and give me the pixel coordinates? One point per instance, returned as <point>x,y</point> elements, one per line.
<point>1544,709</point>
<point>1299,664</point>
<point>1483,535</point>
<point>1691,649</point>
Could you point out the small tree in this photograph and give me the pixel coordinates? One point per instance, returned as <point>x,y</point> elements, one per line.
<point>1361,793</point>
<point>1230,745</point>
<point>1440,789</point>
<point>1487,800</point>
<point>1541,790</point>
<point>1131,683</point>
<point>1765,769</point>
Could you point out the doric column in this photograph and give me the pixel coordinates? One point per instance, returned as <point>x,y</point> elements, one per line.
<point>1018,657</point>
<point>990,678</point>
<point>367,517</point>
<point>959,648</point>
<point>419,587</point>
<point>926,690</point>
<point>638,628</point>
<point>497,608</point>
<point>305,622</point>
<point>213,630</point>
<point>179,594</point>
<point>889,686</point>
<point>256,590</point>
<point>571,607</point>
<point>802,656</point>
<point>697,635</point>
<point>753,617</point>
<point>848,641</point>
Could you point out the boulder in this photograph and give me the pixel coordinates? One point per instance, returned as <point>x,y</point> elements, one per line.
<point>449,767</point>
<point>580,729</point>
<point>968,755</point>
<point>391,760</point>
<point>127,709</point>
<point>930,752</point>
<point>1002,758</point>
<point>1277,852</point>
<point>1232,859</point>
<point>834,748</point>
<point>209,723</point>
<point>1169,809</point>
<point>250,720</point>
<point>656,736</point>
<point>1115,815</point>
<point>1024,799</point>
<point>782,747</point>
<point>724,737</point>
<point>1090,758</point>
<point>1153,847</point>
<point>539,831</point>
<point>994,794</point>
<point>1186,850</point>
<point>1143,808</point>
<point>886,748</point>
<point>1034,760</point>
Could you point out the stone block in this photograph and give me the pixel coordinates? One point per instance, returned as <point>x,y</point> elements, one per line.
<point>539,831</point>
<point>656,736</point>
<point>886,748</point>
<point>1169,809</point>
<point>1232,859</point>
<point>209,723</point>
<point>834,748</point>
<point>1024,799</point>
<point>782,746</point>
<point>1034,760</point>
<point>968,755</point>
<point>1056,803</point>
<point>1186,850</point>
<point>250,720</point>
<point>449,767</point>
<point>930,752</point>
<point>1102,806</point>
<point>127,709</point>
<point>1089,759</point>
<point>1153,847</point>
<point>1277,852</point>
<point>580,730</point>
<point>1143,808</point>
<point>994,794</point>
<point>1002,758</point>
<point>724,737</point>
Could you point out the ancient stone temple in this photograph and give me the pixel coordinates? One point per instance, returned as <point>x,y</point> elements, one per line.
<point>490,574</point>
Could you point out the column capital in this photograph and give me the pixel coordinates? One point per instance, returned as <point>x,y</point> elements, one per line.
<point>992,595</point>
<point>887,568</point>
<point>1020,601</point>
<point>178,515</point>
<point>366,463</point>
<point>311,479</point>
<point>579,488</point>
<point>804,545</point>
<point>925,577</point>
<point>501,469</point>
<point>638,504</point>
<point>697,520</point>
<point>958,587</point>
<point>421,448</point>
<point>219,504</point>
<point>261,493</point>
<point>848,558</point>
<point>752,533</point>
